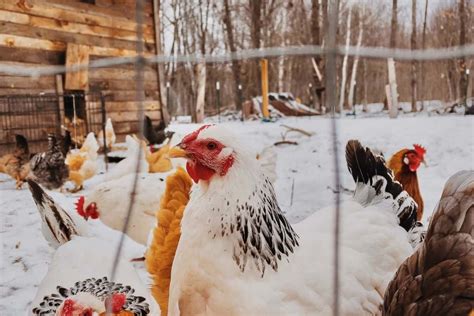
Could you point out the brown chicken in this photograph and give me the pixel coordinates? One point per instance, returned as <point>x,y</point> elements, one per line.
<point>16,165</point>
<point>404,165</point>
<point>438,279</point>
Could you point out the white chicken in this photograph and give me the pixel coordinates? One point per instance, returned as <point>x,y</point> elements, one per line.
<point>78,281</point>
<point>129,164</point>
<point>238,254</point>
<point>109,135</point>
<point>109,201</point>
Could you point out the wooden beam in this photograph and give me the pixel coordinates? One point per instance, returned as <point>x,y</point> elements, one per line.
<point>60,92</point>
<point>117,84</point>
<point>27,42</point>
<point>75,55</point>
<point>64,36</point>
<point>264,66</point>
<point>29,55</point>
<point>42,9</point>
<point>53,24</point>
<point>131,116</point>
<point>16,82</point>
<point>114,106</point>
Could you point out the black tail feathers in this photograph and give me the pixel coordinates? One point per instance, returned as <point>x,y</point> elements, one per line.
<point>370,169</point>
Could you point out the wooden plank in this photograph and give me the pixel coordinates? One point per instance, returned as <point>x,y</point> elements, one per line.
<point>26,42</point>
<point>97,10</point>
<point>35,56</point>
<point>62,36</point>
<point>16,82</point>
<point>131,116</point>
<point>43,9</point>
<point>127,106</point>
<point>112,83</point>
<point>75,55</point>
<point>7,91</point>
<point>130,95</point>
<point>53,24</point>
<point>60,92</point>
<point>127,74</point>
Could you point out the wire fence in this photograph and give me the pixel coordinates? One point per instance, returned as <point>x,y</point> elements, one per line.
<point>330,51</point>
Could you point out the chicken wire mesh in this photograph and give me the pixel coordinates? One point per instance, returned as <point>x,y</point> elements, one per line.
<point>46,106</point>
<point>36,116</point>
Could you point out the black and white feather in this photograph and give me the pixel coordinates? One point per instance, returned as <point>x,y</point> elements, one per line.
<point>100,288</point>
<point>49,168</point>
<point>57,226</point>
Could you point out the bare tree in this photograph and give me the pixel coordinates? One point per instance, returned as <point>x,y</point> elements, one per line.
<point>344,62</point>
<point>423,45</point>
<point>413,63</point>
<point>231,42</point>
<point>463,79</point>
<point>355,64</point>
<point>317,60</point>
<point>255,35</point>
<point>394,24</point>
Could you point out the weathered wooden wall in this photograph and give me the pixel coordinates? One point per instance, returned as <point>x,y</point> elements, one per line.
<point>41,32</point>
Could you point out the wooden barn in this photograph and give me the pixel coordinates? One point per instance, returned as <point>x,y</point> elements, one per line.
<point>66,32</point>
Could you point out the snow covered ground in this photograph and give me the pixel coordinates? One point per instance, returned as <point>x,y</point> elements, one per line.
<point>305,183</point>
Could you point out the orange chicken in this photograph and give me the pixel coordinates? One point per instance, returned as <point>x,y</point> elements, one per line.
<point>161,252</point>
<point>16,164</point>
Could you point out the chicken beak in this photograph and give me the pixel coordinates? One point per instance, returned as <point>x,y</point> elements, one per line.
<point>177,152</point>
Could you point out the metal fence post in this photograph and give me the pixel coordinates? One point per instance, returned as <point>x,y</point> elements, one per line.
<point>104,138</point>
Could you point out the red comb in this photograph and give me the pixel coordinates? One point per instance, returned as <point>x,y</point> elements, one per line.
<point>80,206</point>
<point>115,302</point>
<point>420,150</point>
<point>190,137</point>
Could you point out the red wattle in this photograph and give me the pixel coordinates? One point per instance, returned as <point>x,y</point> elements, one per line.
<point>198,171</point>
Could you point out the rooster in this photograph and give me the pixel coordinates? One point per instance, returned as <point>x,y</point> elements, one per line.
<point>49,168</point>
<point>238,254</point>
<point>160,253</point>
<point>404,165</point>
<point>16,164</point>
<point>83,163</point>
<point>78,280</point>
<point>438,279</point>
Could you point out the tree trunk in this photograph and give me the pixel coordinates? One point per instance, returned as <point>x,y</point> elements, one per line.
<point>394,25</point>
<point>392,95</point>
<point>344,62</point>
<point>354,66</point>
<point>393,44</point>
<point>414,62</point>
<point>281,59</point>
<point>423,46</point>
<point>255,34</point>
<point>201,91</point>
<point>365,108</point>
<point>235,63</point>
<point>463,80</point>
<point>316,40</point>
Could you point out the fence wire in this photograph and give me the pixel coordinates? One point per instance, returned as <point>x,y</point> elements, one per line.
<point>289,51</point>
<point>331,51</point>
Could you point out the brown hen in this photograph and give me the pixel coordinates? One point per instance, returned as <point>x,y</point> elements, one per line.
<point>16,164</point>
<point>438,279</point>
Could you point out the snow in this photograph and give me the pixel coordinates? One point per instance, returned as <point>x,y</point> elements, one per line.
<point>306,174</point>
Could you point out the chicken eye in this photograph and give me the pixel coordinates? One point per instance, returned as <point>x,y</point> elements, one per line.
<point>211,146</point>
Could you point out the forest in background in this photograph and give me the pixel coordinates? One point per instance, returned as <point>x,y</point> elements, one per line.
<point>213,27</point>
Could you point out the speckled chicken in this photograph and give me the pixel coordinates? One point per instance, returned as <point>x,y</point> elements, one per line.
<point>438,279</point>
<point>16,164</point>
<point>49,168</point>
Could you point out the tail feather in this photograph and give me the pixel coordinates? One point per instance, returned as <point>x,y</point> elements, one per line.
<point>161,252</point>
<point>375,182</point>
<point>58,227</point>
<point>437,279</point>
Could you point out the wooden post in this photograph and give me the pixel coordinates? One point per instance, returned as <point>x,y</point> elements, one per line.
<point>264,66</point>
<point>75,55</point>
<point>392,81</point>
<point>60,94</point>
